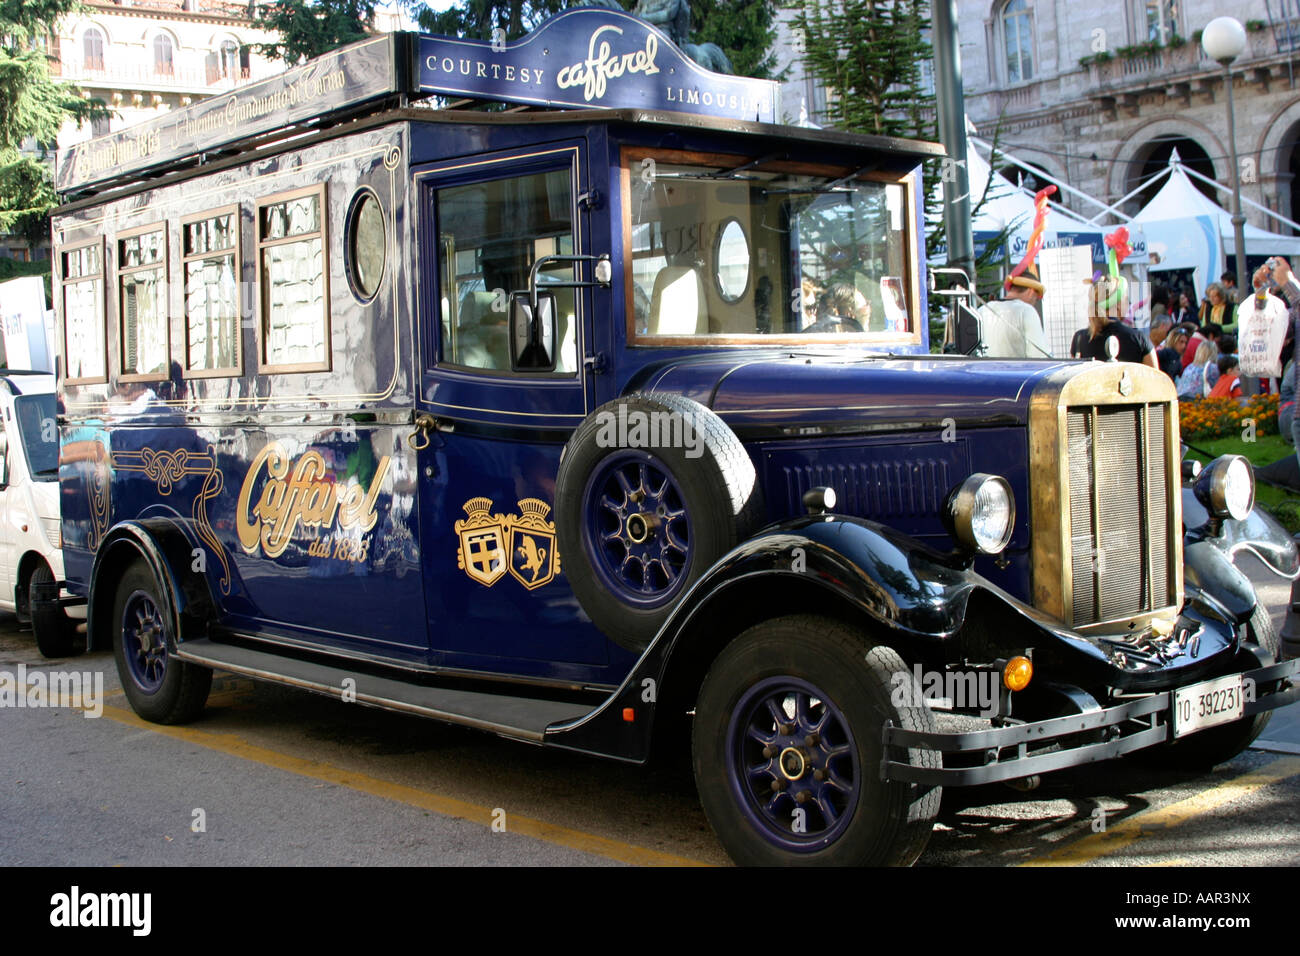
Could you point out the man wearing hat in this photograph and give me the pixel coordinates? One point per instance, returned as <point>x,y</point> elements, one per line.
<point>1011,327</point>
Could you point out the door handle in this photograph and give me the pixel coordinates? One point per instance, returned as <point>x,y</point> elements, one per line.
<point>424,425</point>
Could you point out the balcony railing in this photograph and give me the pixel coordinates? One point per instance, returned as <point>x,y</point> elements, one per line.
<point>1182,61</point>
<point>135,76</point>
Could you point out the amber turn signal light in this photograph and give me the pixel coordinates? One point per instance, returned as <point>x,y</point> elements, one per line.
<point>1018,673</point>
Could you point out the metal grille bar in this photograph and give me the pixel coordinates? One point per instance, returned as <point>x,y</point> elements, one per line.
<point>1119,504</point>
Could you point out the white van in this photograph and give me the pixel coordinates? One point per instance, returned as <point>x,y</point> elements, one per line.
<point>30,537</point>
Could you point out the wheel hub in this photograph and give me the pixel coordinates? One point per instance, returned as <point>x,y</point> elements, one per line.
<point>639,529</point>
<point>793,763</point>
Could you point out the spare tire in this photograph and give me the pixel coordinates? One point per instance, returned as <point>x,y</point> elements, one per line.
<point>652,490</point>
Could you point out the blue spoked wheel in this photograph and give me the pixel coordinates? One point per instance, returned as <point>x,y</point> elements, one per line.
<point>638,530</point>
<point>160,687</point>
<point>653,489</point>
<point>787,749</point>
<point>793,766</point>
<point>144,641</point>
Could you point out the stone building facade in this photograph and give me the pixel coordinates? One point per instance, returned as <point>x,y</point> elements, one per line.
<point>143,57</point>
<point>1032,73</point>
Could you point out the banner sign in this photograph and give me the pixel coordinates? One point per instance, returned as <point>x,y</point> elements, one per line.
<point>595,58</point>
<point>344,77</point>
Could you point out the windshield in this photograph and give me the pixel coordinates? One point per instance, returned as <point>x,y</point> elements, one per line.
<point>37,416</point>
<point>734,250</point>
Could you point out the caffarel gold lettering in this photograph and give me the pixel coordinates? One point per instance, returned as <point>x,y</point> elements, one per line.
<point>301,492</point>
<point>601,65</point>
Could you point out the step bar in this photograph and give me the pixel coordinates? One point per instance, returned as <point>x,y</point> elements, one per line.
<point>518,718</point>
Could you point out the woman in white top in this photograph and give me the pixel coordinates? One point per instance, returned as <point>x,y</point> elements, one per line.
<point>1192,383</point>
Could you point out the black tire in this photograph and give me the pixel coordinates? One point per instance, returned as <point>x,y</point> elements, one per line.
<point>628,579</point>
<point>882,823</point>
<point>160,688</point>
<point>1208,748</point>
<point>55,632</point>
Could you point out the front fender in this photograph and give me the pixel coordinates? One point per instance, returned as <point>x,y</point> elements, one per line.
<point>1211,577</point>
<point>1259,533</point>
<point>918,595</point>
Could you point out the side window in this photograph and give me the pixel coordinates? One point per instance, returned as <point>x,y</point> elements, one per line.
<point>83,314</point>
<point>210,257</point>
<point>292,277</point>
<point>490,234</point>
<point>142,303</point>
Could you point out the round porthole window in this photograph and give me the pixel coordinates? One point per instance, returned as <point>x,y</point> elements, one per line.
<point>367,246</point>
<point>731,258</point>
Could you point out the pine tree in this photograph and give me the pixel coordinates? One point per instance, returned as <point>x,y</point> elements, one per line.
<point>869,54</point>
<point>33,108</point>
<point>308,29</point>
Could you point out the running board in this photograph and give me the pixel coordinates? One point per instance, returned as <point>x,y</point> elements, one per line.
<point>521,718</point>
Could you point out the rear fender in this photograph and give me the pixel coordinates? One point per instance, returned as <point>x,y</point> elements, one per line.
<point>169,553</point>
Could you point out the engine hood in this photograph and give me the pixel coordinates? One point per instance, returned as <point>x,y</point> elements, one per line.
<point>793,393</point>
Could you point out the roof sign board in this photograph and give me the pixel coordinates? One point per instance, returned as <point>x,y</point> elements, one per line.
<point>591,57</point>
<point>345,77</point>
<point>581,58</point>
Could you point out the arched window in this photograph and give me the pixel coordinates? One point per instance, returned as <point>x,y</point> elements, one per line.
<point>1018,41</point>
<point>229,59</point>
<point>162,55</point>
<point>92,49</point>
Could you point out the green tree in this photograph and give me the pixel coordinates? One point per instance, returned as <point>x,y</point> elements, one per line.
<point>308,29</point>
<point>477,19</point>
<point>868,55</point>
<point>33,108</point>
<point>743,28</point>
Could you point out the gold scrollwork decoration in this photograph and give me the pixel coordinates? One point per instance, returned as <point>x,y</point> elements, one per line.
<point>167,467</point>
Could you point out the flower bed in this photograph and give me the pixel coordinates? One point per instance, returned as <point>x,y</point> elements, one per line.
<point>1217,417</point>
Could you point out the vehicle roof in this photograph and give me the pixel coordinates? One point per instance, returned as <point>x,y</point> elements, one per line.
<point>30,381</point>
<point>918,149</point>
<point>913,151</point>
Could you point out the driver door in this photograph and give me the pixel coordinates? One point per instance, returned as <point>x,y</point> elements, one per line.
<point>497,596</point>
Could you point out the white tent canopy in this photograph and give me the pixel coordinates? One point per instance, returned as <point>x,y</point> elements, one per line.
<point>1008,205</point>
<point>1185,229</point>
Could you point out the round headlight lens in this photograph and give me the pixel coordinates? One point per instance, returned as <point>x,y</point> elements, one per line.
<point>1238,488</point>
<point>983,513</point>
<point>1227,487</point>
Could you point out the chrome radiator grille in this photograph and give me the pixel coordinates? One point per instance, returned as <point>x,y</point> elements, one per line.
<point>1119,504</point>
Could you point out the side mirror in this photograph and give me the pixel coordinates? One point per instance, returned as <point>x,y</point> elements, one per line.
<point>532,332</point>
<point>969,332</point>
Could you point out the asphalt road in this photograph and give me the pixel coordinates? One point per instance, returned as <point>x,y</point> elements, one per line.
<point>275,776</point>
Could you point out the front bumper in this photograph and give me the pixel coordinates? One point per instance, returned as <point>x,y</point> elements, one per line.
<point>1096,733</point>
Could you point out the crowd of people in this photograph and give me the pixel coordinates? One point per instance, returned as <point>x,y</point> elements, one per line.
<point>1198,347</point>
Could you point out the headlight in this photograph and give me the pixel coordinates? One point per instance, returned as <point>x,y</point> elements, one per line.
<point>982,513</point>
<point>1227,487</point>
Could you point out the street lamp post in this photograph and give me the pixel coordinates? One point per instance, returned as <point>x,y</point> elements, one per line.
<point>1224,39</point>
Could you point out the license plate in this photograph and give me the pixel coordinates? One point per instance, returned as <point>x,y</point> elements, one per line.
<point>1208,704</point>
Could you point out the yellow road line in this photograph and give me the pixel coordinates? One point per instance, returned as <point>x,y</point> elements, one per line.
<point>1161,819</point>
<point>236,746</point>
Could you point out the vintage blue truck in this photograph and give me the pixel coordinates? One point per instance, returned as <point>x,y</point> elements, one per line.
<point>606,420</point>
